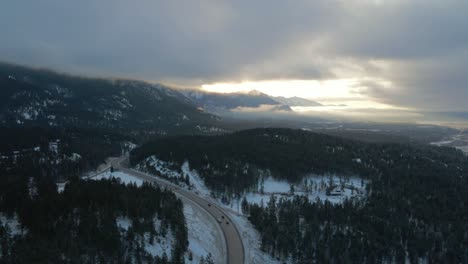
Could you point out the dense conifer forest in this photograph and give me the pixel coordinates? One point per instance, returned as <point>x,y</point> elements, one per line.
<point>78,225</point>
<point>415,206</point>
<point>57,153</point>
<point>231,162</point>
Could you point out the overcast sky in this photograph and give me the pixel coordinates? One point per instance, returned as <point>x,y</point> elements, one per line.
<point>406,53</point>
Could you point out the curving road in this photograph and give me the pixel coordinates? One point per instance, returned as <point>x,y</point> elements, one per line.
<point>234,246</point>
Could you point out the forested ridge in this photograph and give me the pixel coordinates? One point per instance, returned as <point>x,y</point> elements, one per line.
<point>415,206</point>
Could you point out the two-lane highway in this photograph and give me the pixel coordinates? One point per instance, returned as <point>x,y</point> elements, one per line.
<point>234,246</point>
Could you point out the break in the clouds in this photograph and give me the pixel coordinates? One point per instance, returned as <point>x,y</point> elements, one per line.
<point>411,54</point>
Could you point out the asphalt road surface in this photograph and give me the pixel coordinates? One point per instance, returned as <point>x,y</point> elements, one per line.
<point>234,246</point>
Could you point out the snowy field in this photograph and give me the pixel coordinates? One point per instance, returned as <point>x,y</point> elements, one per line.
<point>332,188</point>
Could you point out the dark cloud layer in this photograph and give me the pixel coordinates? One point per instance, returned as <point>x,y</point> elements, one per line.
<point>419,49</point>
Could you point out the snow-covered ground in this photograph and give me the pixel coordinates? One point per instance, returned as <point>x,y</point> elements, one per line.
<point>120,176</point>
<point>153,165</point>
<point>312,186</point>
<point>458,141</point>
<point>333,188</point>
<point>251,240</point>
<point>159,245</point>
<point>204,235</point>
<point>196,181</point>
<point>123,222</point>
<point>463,148</point>
<point>123,177</point>
<point>127,146</point>
<point>12,224</point>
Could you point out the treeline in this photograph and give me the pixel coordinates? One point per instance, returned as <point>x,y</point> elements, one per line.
<point>79,224</point>
<point>415,209</point>
<point>232,163</point>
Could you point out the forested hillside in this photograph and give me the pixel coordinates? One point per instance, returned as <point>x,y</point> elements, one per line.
<point>87,222</point>
<point>232,162</point>
<point>57,153</point>
<point>415,206</point>
<point>33,97</point>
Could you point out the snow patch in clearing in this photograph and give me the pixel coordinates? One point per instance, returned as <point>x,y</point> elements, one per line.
<point>61,187</point>
<point>160,245</point>
<point>123,177</point>
<point>271,185</point>
<point>12,224</point>
<point>123,222</point>
<point>332,188</point>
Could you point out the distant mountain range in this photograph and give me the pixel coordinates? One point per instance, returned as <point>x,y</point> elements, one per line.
<point>222,102</point>
<point>296,101</point>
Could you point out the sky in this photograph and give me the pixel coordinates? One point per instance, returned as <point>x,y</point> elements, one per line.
<point>405,55</point>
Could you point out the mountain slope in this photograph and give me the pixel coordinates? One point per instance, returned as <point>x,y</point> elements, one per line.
<point>31,97</point>
<point>295,101</point>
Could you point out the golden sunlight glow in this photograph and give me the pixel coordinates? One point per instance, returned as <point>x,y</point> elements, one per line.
<point>344,88</point>
<point>335,95</point>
